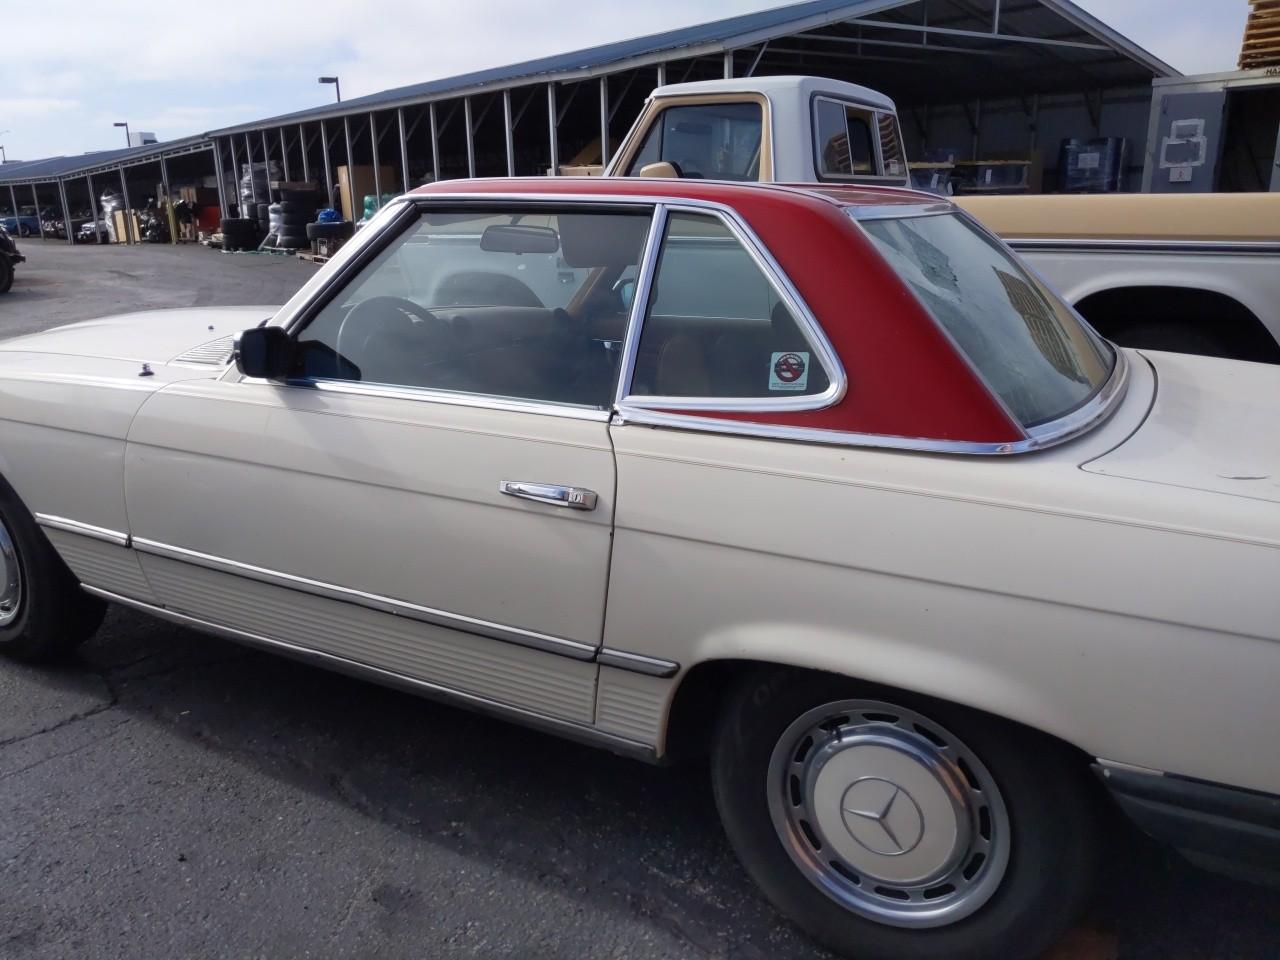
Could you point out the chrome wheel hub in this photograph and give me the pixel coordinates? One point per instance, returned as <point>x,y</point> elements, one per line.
<point>888,813</point>
<point>10,578</point>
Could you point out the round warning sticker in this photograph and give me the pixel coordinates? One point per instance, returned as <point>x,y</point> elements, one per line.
<point>789,371</point>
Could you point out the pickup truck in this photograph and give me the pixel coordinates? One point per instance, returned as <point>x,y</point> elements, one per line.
<point>9,258</point>
<point>1186,273</point>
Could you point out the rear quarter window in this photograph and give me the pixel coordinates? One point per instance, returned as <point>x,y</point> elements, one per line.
<point>1031,348</point>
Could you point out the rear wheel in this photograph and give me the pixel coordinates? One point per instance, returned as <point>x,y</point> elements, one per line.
<point>893,826</point>
<point>43,612</point>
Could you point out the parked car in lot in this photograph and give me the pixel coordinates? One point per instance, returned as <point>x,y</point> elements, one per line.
<point>9,260</point>
<point>25,224</point>
<point>822,482</point>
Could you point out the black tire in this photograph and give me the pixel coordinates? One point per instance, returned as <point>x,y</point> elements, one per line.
<point>237,223</point>
<point>263,210</point>
<point>294,220</point>
<point>340,230</point>
<point>6,273</point>
<point>24,231</point>
<point>51,615</point>
<point>293,206</point>
<point>298,196</point>
<point>291,241</point>
<point>1051,828</point>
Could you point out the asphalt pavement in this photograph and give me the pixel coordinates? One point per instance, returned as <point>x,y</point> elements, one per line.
<point>169,795</point>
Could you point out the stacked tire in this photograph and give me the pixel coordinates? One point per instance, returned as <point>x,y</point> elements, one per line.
<point>289,219</point>
<point>263,212</point>
<point>335,230</point>
<point>239,233</point>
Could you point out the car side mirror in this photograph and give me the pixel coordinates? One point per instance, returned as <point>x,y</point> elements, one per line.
<point>264,353</point>
<point>662,170</point>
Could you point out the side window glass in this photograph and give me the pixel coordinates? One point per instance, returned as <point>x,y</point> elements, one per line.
<point>895,163</point>
<point>845,141</point>
<point>521,304</point>
<point>716,327</point>
<point>708,141</point>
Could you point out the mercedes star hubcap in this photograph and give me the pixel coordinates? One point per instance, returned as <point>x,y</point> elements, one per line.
<point>888,813</point>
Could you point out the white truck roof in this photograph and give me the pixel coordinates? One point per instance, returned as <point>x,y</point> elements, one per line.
<point>778,88</point>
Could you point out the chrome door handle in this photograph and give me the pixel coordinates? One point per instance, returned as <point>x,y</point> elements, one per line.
<point>574,498</point>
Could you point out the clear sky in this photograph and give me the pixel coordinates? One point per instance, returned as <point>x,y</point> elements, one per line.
<point>69,68</point>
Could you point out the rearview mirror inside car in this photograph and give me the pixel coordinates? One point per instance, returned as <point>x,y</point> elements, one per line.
<point>265,353</point>
<point>519,238</point>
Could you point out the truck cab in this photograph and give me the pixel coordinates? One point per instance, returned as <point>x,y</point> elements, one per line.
<point>788,129</point>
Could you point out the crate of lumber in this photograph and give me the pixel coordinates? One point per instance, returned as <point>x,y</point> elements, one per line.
<point>1261,46</point>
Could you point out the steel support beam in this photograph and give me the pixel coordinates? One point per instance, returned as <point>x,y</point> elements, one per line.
<point>235,177</point>
<point>435,142</point>
<point>509,128</point>
<point>17,226</point>
<point>751,72</point>
<point>377,174</point>
<point>604,120</point>
<point>728,64</point>
<point>471,139</point>
<point>404,152</point>
<point>976,35</point>
<point>302,145</point>
<point>662,74</point>
<point>553,128</point>
<point>93,207</point>
<point>357,204</point>
<point>328,167</point>
<point>35,198</point>
<point>66,212</point>
<point>284,155</point>
<point>221,177</point>
<point>266,165</point>
<point>253,181</point>
<point>168,200</point>
<point>129,236</point>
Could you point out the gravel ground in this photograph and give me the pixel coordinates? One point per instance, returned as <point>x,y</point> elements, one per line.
<point>171,795</point>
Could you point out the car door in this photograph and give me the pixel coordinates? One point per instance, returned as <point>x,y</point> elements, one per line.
<point>431,490</point>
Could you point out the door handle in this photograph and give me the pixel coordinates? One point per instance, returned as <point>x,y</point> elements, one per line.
<point>573,498</point>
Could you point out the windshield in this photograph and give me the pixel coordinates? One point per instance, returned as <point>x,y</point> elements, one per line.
<point>1032,349</point>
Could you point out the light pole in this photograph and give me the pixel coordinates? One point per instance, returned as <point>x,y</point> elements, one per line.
<point>337,87</point>
<point>128,142</point>
<point>4,157</point>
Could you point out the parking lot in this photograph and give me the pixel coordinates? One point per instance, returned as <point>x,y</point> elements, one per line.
<point>167,794</point>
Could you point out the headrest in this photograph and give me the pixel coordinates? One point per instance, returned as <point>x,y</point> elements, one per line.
<point>602,240</point>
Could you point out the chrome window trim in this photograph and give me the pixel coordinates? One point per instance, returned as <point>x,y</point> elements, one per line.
<point>426,395</point>
<point>853,179</point>
<point>900,211</point>
<point>412,611</point>
<point>1082,420</point>
<point>640,302</point>
<point>565,728</point>
<point>1072,245</point>
<point>83,529</point>
<point>773,273</point>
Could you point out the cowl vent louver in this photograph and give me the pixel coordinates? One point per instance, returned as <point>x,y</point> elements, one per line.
<point>215,353</point>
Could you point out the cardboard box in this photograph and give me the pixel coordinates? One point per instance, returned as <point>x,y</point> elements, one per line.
<point>356,183</point>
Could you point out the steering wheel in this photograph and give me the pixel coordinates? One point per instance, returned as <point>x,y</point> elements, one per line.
<point>380,327</point>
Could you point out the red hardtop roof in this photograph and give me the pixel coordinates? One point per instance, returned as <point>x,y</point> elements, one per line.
<point>719,191</point>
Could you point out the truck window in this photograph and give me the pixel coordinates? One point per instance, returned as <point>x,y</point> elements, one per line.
<point>707,141</point>
<point>845,147</point>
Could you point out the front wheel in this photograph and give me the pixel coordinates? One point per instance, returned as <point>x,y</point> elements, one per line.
<point>893,826</point>
<point>43,612</point>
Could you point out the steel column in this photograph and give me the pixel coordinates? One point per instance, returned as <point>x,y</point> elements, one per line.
<point>235,176</point>
<point>168,199</point>
<point>17,226</point>
<point>222,179</point>
<point>435,141</point>
<point>511,134</point>
<point>377,175</point>
<point>284,155</point>
<point>253,181</point>
<point>93,207</point>
<point>35,197</point>
<point>266,165</point>
<point>471,140</point>
<point>553,129</point>
<point>66,212</point>
<point>328,169</point>
<point>302,145</point>
<point>662,74</point>
<point>604,120</point>
<point>728,64</point>
<point>404,151</point>
<point>357,203</point>
<point>129,236</point>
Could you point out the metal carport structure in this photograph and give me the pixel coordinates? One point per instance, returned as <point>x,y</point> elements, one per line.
<point>953,66</point>
<point>109,166</point>
<point>994,74</point>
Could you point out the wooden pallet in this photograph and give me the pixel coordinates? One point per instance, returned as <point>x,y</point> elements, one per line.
<point>1261,46</point>
<point>312,257</point>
